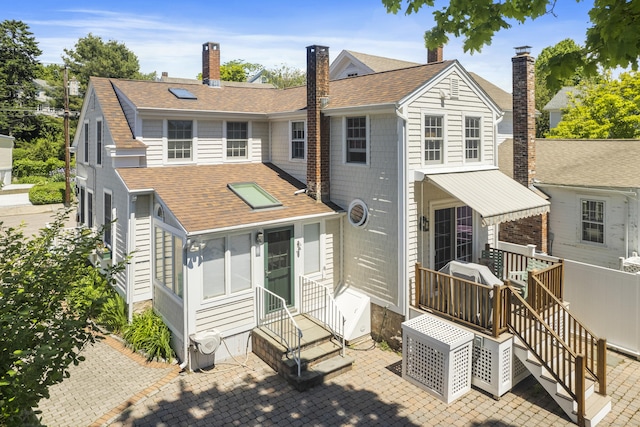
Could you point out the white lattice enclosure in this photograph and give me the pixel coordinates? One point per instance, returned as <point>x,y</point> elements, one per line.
<point>436,356</point>
<point>491,368</point>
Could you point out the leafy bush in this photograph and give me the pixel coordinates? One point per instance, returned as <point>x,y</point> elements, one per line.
<point>26,167</point>
<point>90,292</point>
<point>31,179</point>
<point>19,153</point>
<point>149,334</point>
<point>113,314</point>
<point>47,194</point>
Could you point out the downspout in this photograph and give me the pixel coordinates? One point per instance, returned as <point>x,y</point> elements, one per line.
<point>403,212</point>
<point>185,306</point>
<point>130,243</point>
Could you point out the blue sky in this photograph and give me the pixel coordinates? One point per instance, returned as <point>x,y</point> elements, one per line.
<point>168,35</point>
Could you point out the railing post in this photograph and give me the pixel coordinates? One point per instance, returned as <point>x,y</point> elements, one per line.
<point>561,297</point>
<point>602,366</point>
<point>580,388</point>
<point>497,310</point>
<point>418,283</point>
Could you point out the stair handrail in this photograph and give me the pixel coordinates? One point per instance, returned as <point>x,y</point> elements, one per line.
<point>529,327</point>
<point>274,315</point>
<point>578,336</point>
<point>318,302</point>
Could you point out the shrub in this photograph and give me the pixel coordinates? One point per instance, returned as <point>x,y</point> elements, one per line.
<point>26,167</point>
<point>31,179</point>
<point>113,314</point>
<point>148,333</point>
<point>47,194</point>
<point>90,292</point>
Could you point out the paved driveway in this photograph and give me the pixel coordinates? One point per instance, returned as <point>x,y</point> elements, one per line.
<point>248,393</point>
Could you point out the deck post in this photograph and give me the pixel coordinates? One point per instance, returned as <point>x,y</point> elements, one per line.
<point>497,310</point>
<point>580,388</point>
<point>602,366</point>
<point>418,283</point>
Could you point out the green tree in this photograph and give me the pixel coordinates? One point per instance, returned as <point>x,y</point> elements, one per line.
<point>606,109</point>
<point>611,41</point>
<point>18,66</point>
<point>547,87</point>
<point>285,76</point>
<point>42,330</point>
<point>237,70</point>
<point>94,57</point>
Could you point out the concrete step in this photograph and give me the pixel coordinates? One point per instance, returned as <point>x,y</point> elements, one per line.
<point>310,356</point>
<point>320,372</point>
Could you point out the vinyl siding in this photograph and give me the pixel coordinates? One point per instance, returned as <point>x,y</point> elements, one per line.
<point>210,142</point>
<point>142,258</point>
<point>227,316</point>
<point>280,151</point>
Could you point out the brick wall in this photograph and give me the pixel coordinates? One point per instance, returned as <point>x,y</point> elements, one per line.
<point>526,231</point>
<point>434,55</point>
<point>317,123</point>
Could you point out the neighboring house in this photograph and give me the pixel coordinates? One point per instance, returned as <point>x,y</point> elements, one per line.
<point>220,191</point>
<point>350,64</point>
<point>559,103</point>
<point>595,208</point>
<point>6,159</point>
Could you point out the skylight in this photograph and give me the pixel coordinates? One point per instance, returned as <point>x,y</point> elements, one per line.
<point>182,93</point>
<point>254,195</point>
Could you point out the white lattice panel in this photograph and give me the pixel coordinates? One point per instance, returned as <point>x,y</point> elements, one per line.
<point>481,367</point>
<point>492,364</point>
<point>437,356</point>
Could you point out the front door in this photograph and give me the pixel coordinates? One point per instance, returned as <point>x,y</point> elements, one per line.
<point>278,277</point>
<point>453,236</point>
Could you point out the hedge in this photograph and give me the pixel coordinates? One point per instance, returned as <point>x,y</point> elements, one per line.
<point>26,167</point>
<point>47,194</point>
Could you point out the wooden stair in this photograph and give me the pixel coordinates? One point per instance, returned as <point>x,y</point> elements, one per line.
<point>320,354</point>
<point>597,405</point>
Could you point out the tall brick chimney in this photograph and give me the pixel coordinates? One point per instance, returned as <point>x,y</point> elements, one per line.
<point>524,116</point>
<point>531,230</point>
<point>211,64</point>
<point>434,55</point>
<point>317,123</point>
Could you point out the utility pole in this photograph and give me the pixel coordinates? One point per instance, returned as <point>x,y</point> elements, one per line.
<point>67,148</point>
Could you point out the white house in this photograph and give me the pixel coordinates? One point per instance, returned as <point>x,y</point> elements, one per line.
<point>593,187</point>
<point>221,190</point>
<point>559,103</point>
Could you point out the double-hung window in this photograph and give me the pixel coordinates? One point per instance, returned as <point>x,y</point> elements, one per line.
<point>472,138</point>
<point>237,140</point>
<point>356,145</point>
<point>168,260</point>
<point>86,142</point>
<point>297,140</point>
<point>592,221</point>
<point>433,139</point>
<point>107,219</point>
<point>99,142</point>
<point>179,140</point>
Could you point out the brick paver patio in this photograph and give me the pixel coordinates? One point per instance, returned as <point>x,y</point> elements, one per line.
<point>373,393</point>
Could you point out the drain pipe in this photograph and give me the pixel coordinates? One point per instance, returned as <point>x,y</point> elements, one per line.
<point>185,305</point>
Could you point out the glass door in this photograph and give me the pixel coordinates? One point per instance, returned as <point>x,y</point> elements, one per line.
<point>453,235</point>
<point>278,277</point>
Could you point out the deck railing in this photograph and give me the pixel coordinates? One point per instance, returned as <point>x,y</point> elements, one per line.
<point>478,306</point>
<point>318,302</point>
<point>578,337</point>
<point>503,262</point>
<point>274,315</point>
<point>551,278</point>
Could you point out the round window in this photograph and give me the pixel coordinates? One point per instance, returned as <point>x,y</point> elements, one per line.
<point>358,213</point>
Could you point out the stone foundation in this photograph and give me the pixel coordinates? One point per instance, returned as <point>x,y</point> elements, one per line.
<point>386,326</point>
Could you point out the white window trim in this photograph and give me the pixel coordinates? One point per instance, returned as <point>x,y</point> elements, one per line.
<point>227,269</point>
<point>604,221</point>
<point>304,154</point>
<point>464,137</point>
<point>322,242</point>
<point>178,233</point>
<point>227,159</point>
<point>368,141</point>
<point>102,150</point>
<point>443,160</point>
<point>165,143</point>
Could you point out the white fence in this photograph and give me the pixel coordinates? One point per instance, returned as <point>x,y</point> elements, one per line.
<point>607,301</point>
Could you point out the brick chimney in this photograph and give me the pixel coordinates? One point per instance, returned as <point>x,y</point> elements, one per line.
<point>524,116</point>
<point>532,230</point>
<point>317,123</point>
<point>211,64</point>
<point>434,55</point>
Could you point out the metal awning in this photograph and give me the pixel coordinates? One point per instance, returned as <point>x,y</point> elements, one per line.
<point>495,196</point>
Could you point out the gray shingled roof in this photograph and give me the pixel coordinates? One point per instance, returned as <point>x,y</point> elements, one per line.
<point>561,99</point>
<point>380,63</point>
<point>580,162</point>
